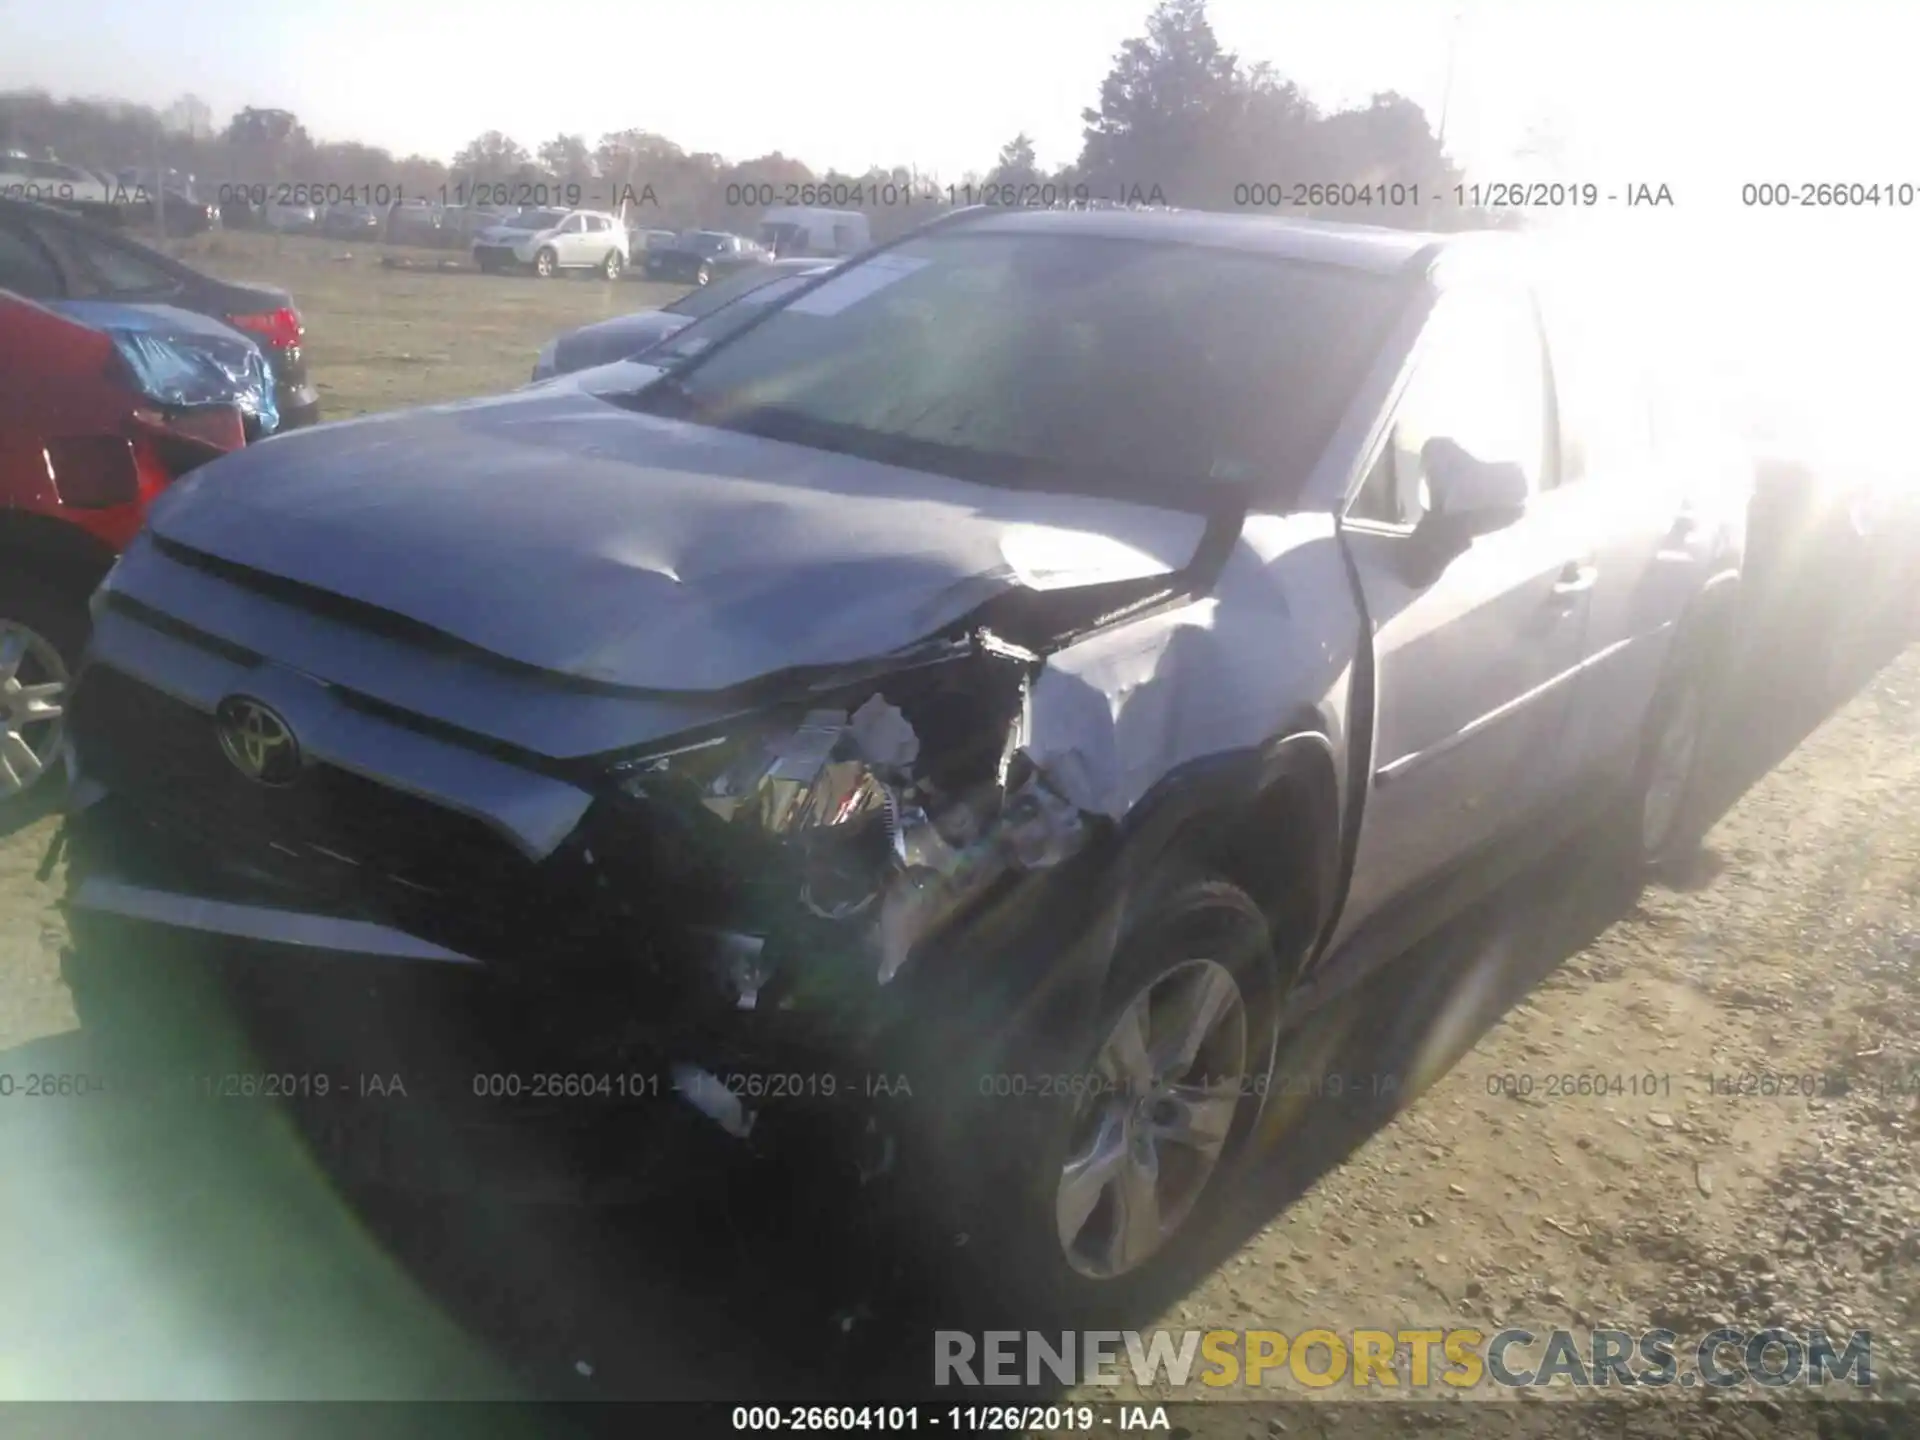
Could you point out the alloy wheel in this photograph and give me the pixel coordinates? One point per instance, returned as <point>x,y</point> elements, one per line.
<point>33,691</point>
<point>1150,1133</point>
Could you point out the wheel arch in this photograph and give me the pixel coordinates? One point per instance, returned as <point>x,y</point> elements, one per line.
<point>1711,621</point>
<point>1265,818</point>
<point>52,551</point>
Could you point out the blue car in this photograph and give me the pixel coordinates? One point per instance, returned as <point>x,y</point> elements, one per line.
<point>185,358</point>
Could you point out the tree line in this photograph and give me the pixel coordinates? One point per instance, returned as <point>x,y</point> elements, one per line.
<point>1179,121</point>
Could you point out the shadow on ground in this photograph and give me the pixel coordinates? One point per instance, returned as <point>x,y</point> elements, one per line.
<point>153,1250</point>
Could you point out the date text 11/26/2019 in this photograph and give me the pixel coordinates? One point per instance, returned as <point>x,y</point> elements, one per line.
<point>1478,195</point>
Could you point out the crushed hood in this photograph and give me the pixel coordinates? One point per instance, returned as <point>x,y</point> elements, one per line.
<point>555,529</point>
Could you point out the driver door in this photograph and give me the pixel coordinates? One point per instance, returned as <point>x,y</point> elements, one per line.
<point>1474,652</point>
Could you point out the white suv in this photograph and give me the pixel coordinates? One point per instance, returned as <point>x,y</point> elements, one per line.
<point>554,240</point>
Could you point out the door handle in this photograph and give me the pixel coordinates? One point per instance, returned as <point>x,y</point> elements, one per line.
<point>1576,578</point>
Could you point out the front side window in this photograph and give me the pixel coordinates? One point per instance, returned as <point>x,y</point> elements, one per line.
<point>1174,374</point>
<point>1479,380</point>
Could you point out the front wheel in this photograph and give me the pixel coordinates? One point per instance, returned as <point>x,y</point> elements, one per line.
<point>1105,1203</point>
<point>41,634</point>
<point>546,263</point>
<point>612,265</point>
<point>703,275</point>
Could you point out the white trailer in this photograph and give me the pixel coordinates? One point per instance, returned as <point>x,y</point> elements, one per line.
<point>800,230</point>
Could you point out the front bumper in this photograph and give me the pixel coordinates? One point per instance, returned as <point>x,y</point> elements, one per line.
<point>386,914</point>
<point>409,1065</point>
<point>299,406</point>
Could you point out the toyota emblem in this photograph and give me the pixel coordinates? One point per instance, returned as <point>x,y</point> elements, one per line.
<point>258,742</point>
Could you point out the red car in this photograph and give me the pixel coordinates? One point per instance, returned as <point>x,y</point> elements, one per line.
<point>83,452</point>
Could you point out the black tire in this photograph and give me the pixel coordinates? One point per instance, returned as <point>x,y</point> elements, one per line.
<point>1023,1263</point>
<point>703,274</point>
<point>1666,816</point>
<point>56,617</point>
<point>546,264</point>
<point>612,265</point>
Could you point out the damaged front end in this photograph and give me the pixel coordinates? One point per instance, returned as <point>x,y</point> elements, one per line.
<point>848,816</point>
<point>856,874</point>
<point>827,906</point>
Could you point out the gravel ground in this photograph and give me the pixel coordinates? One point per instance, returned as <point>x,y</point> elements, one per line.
<point>1787,951</point>
<point>1770,1177</point>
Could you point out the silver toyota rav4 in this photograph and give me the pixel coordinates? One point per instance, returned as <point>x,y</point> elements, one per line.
<point>969,715</point>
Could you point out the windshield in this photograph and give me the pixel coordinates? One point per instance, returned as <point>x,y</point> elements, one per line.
<point>535,220</point>
<point>707,242</point>
<point>1167,373</point>
<point>709,298</point>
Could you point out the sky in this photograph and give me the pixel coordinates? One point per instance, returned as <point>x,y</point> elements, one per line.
<point>1688,87</point>
<point>1697,95</point>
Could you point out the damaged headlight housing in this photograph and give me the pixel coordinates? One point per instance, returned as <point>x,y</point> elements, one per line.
<point>877,841</point>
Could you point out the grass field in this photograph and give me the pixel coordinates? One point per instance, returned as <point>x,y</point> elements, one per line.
<point>379,338</point>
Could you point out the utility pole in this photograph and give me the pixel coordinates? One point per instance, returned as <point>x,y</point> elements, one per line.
<point>159,192</point>
<point>1446,93</point>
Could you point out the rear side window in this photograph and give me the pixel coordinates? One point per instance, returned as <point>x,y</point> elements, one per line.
<point>115,270</point>
<point>1605,399</point>
<point>26,268</point>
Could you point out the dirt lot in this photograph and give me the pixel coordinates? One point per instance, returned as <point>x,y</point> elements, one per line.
<point>1762,1006</point>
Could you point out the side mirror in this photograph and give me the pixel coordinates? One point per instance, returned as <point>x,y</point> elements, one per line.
<point>1468,496</point>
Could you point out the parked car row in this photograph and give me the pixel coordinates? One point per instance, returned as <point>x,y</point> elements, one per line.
<point>120,370</point>
<point>97,418</point>
<point>699,257</point>
<point>549,241</point>
<point>1055,644</point>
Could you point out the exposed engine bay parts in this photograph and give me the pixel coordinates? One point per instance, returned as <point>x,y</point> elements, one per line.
<point>890,832</point>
